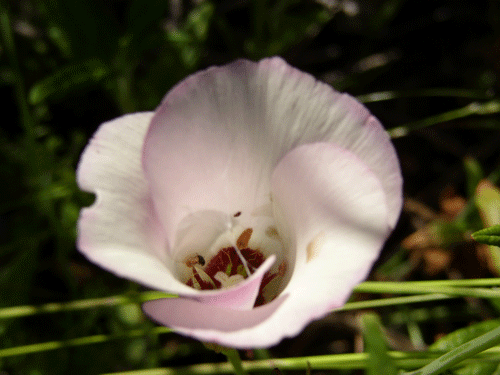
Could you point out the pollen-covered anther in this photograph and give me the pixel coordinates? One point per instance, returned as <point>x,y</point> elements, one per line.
<point>244,238</point>
<point>231,265</point>
<point>282,269</point>
<point>196,259</point>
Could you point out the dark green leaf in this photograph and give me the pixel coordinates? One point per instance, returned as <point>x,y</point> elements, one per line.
<point>490,231</point>
<point>489,236</point>
<point>488,240</point>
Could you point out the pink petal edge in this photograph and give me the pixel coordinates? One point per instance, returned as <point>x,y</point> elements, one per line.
<point>318,284</point>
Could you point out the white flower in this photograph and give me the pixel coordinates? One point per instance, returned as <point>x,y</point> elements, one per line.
<point>250,169</point>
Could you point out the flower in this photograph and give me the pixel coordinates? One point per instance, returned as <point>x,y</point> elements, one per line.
<point>257,194</point>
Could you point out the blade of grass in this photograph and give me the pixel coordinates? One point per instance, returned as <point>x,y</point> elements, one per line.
<point>416,288</point>
<point>460,353</point>
<point>88,340</point>
<point>349,361</point>
<point>410,287</point>
<point>379,362</point>
<point>371,304</point>
<point>474,108</point>
<point>27,120</point>
<point>20,311</point>
<point>434,92</point>
<point>436,283</point>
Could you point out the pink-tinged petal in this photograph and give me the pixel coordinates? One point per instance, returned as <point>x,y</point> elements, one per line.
<point>382,159</point>
<point>188,181</point>
<point>199,153</point>
<point>217,136</point>
<point>120,231</point>
<point>331,207</point>
<point>303,110</point>
<point>235,328</point>
<point>242,296</point>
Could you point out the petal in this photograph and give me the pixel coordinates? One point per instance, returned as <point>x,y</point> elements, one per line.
<point>218,135</point>
<point>241,296</point>
<point>234,328</point>
<point>213,145</point>
<point>120,231</point>
<point>333,209</point>
<point>199,155</point>
<point>314,112</point>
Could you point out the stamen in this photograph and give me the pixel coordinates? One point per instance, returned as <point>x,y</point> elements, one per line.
<point>244,238</point>
<point>233,262</point>
<point>242,243</point>
<point>193,260</point>
<point>243,260</point>
<point>201,260</point>
<point>199,275</point>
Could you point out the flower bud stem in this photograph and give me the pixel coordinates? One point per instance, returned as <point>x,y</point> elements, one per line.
<point>234,358</point>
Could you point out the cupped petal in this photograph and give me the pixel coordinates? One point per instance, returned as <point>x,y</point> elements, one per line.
<point>209,323</point>
<point>218,135</point>
<point>120,231</point>
<point>241,296</point>
<point>331,209</point>
<point>222,141</point>
<point>200,153</point>
<point>302,110</point>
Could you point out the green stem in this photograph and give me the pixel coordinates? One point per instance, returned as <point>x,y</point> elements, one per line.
<point>349,361</point>
<point>474,108</point>
<point>96,339</point>
<point>443,289</point>
<point>392,301</point>
<point>125,66</point>
<point>20,311</point>
<point>6,31</point>
<point>434,92</point>
<point>435,283</point>
<point>460,353</point>
<point>27,121</point>
<point>234,358</point>
<point>124,86</point>
<point>415,288</point>
<point>259,17</point>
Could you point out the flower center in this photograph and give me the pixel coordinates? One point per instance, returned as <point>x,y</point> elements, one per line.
<point>231,265</point>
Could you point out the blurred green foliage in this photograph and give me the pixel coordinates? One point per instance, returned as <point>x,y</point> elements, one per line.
<point>66,66</point>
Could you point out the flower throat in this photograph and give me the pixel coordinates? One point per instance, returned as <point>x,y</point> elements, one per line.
<point>230,266</point>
